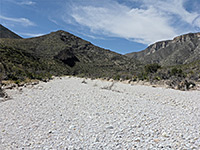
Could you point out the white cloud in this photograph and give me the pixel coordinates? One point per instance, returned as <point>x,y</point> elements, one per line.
<point>27,3</point>
<point>22,2</point>
<point>196,23</point>
<point>31,34</point>
<point>152,21</point>
<point>53,20</point>
<point>171,8</point>
<point>22,21</point>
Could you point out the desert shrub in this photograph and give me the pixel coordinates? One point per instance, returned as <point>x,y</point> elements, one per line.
<point>17,81</point>
<point>157,78</point>
<point>177,72</point>
<point>152,68</point>
<point>81,75</point>
<point>134,78</point>
<point>143,76</point>
<point>117,77</point>
<point>127,78</point>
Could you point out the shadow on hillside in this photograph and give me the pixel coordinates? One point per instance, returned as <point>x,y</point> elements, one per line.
<point>67,57</point>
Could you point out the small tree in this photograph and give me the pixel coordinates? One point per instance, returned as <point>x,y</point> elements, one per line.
<point>151,68</point>
<point>177,72</point>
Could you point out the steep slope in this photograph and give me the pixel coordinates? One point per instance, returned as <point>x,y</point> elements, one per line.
<point>6,33</point>
<point>71,55</point>
<point>17,64</point>
<point>183,49</point>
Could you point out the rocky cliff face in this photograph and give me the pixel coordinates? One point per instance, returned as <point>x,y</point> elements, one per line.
<point>186,37</point>
<point>181,50</point>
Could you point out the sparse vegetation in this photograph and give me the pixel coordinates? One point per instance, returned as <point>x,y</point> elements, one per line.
<point>116,77</point>
<point>177,72</point>
<point>151,68</point>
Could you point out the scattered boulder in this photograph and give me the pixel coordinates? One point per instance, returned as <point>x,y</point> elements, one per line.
<point>2,94</point>
<point>10,86</point>
<point>34,82</point>
<point>183,85</point>
<point>186,85</point>
<point>21,84</point>
<point>45,80</point>
<point>84,82</point>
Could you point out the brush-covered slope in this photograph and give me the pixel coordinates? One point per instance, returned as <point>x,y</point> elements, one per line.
<point>66,54</point>
<point>183,49</point>
<point>17,64</point>
<point>6,33</point>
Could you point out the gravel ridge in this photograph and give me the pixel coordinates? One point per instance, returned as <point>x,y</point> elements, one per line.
<point>74,113</point>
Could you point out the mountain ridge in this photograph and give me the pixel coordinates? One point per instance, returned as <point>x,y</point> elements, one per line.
<point>182,49</point>
<point>6,33</point>
<point>75,55</point>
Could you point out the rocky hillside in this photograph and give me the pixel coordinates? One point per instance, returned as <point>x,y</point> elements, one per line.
<point>183,49</point>
<point>6,33</point>
<point>60,53</point>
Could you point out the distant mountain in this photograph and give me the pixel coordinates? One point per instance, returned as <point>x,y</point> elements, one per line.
<point>6,33</point>
<point>61,53</point>
<point>183,49</point>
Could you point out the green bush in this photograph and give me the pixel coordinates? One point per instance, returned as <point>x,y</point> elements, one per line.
<point>177,72</point>
<point>117,77</point>
<point>17,81</point>
<point>151,68</point>
<point>143,76</point>
<point>157,78</point>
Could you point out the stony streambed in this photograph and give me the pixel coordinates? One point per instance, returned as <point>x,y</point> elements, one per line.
<point>71,114</point>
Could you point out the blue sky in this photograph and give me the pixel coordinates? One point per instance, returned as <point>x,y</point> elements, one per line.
<point>122,26</point>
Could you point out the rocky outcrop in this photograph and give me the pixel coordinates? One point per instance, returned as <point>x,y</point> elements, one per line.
<point>186,37</point>
<point>182,85</point>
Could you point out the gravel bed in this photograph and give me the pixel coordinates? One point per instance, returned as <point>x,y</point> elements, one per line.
<point>83,114</point>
